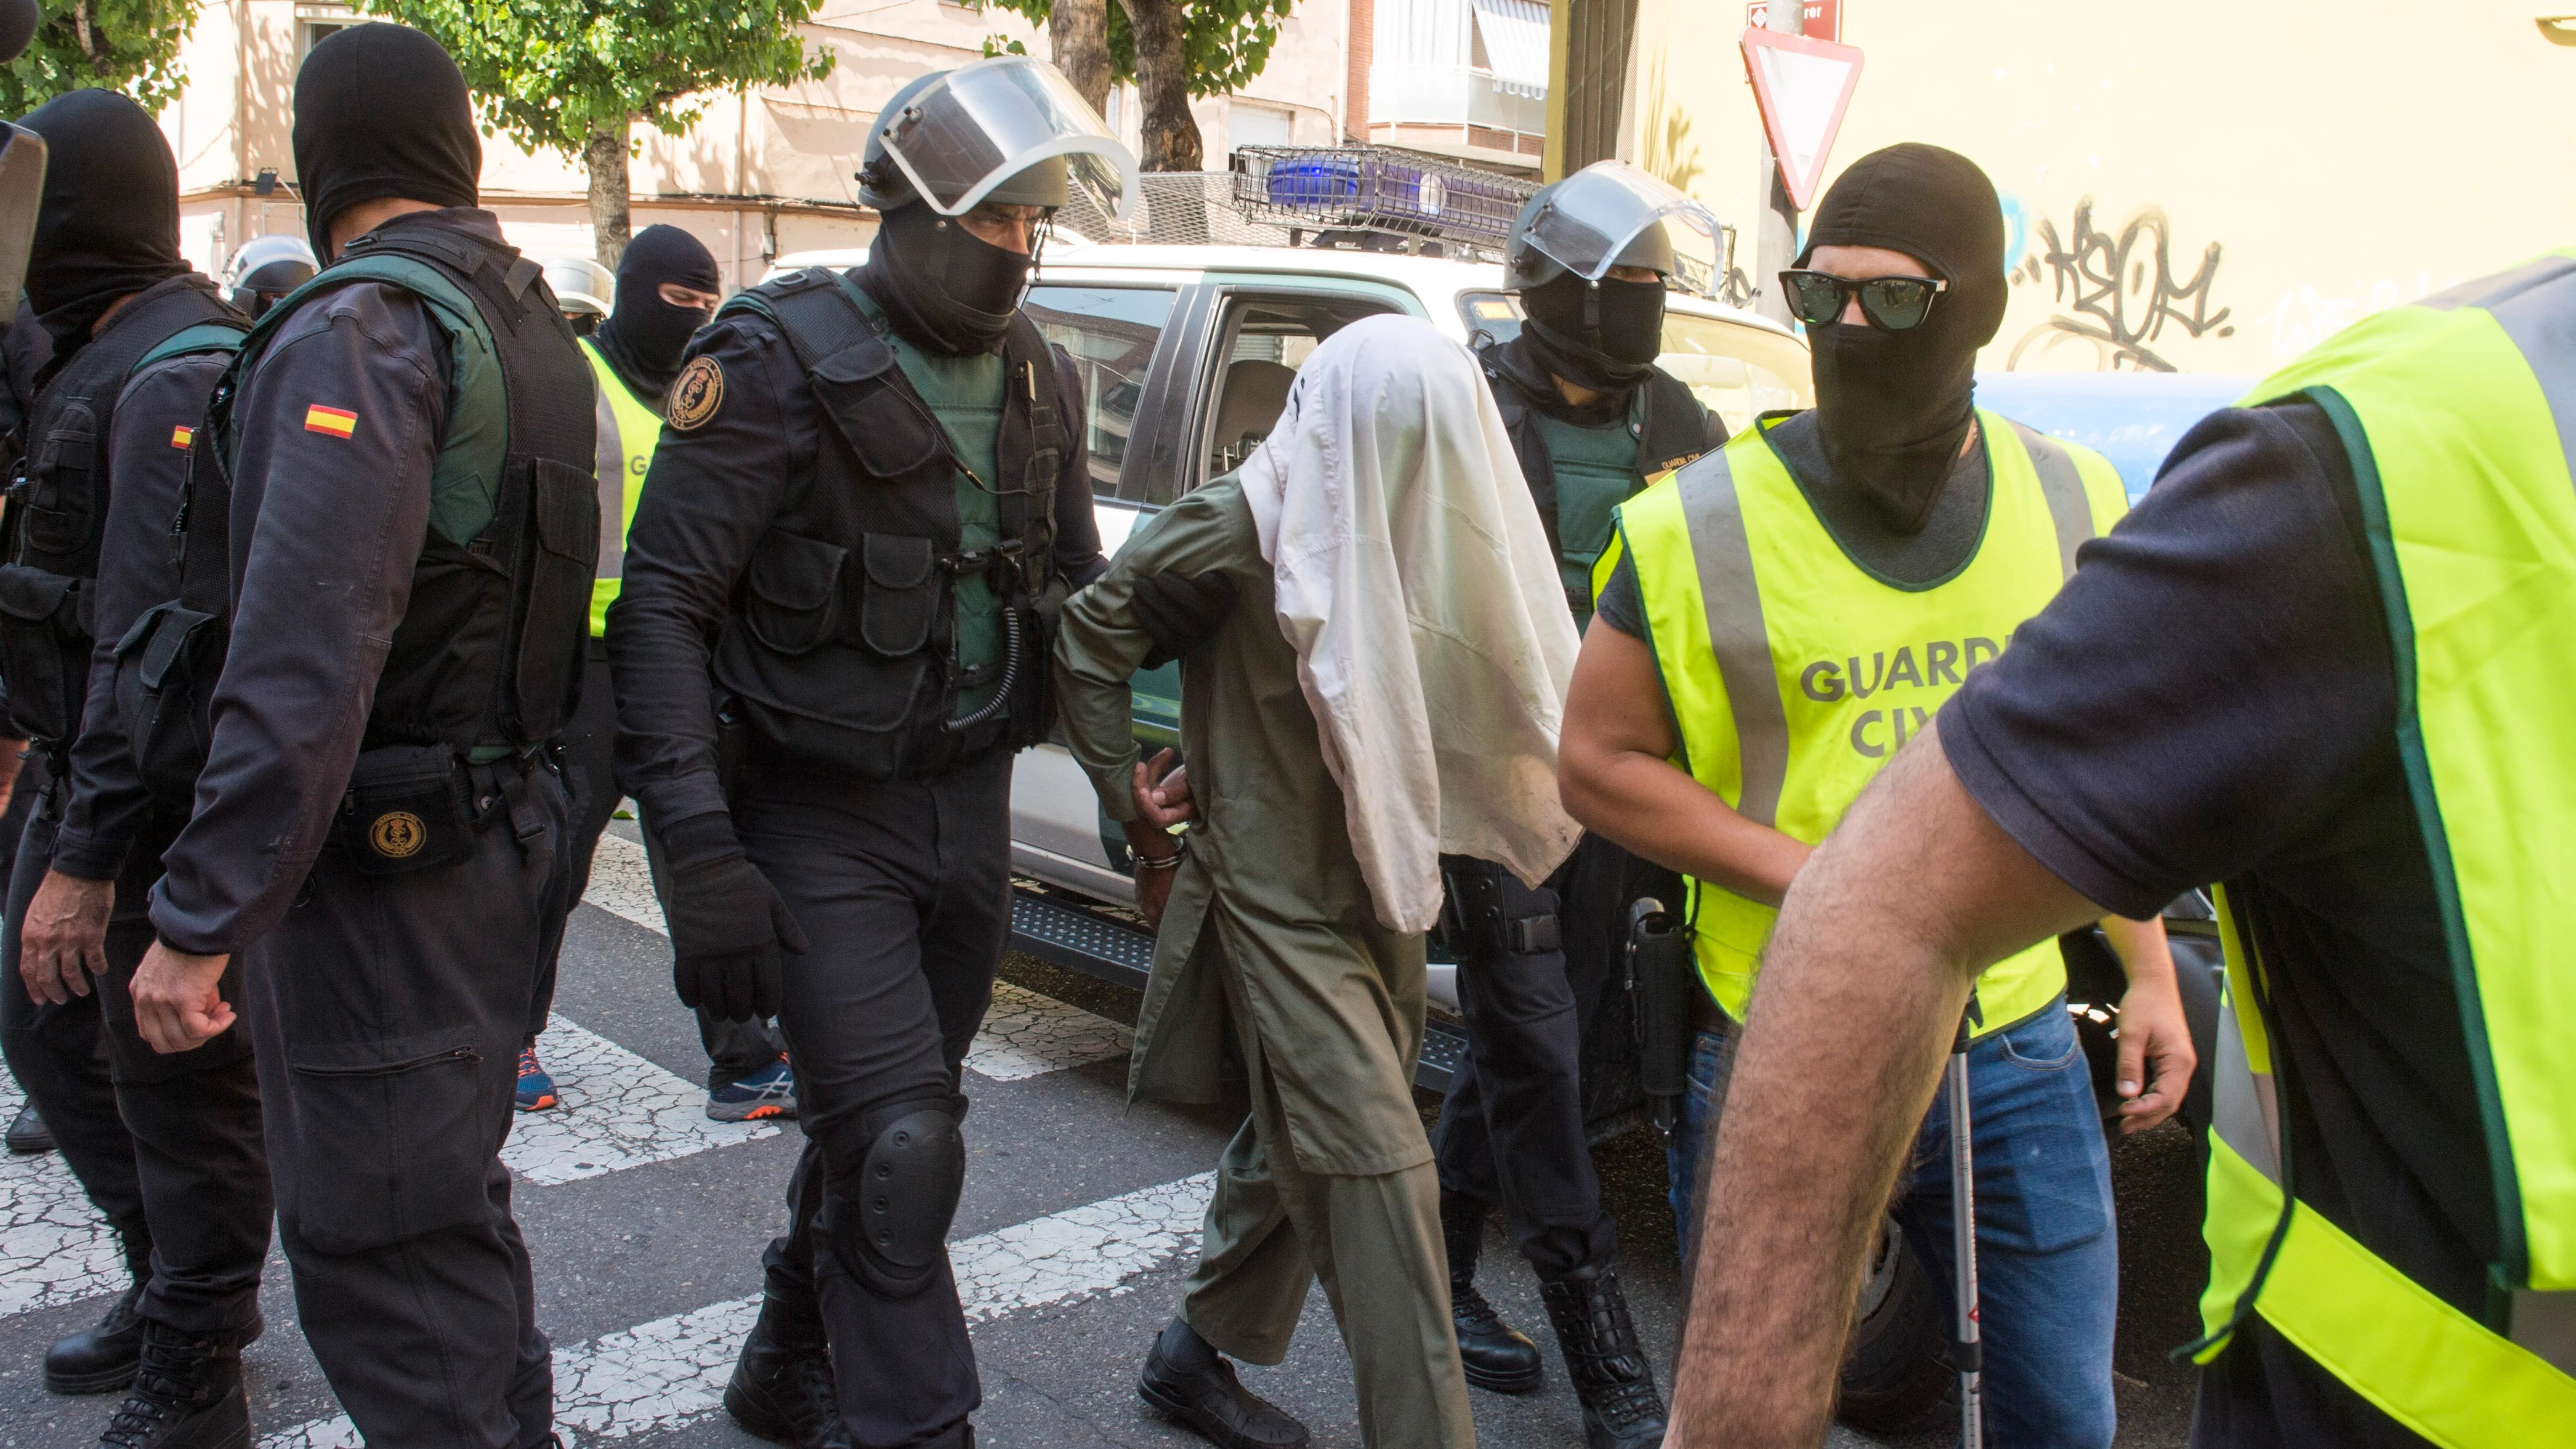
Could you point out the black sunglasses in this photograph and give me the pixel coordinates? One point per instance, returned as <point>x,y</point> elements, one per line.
<point>1892,304</point>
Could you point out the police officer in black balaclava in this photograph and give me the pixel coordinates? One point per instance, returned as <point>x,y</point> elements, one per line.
<point>172,1154</point>
<point>871,497</point>
<point>378,817</point>
<point>1591,418</point>
<point>667,289</point>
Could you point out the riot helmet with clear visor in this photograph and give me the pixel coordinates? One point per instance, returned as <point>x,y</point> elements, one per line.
<point>266,269</point>
<point>1609,214</point>
<point>1010,129</point>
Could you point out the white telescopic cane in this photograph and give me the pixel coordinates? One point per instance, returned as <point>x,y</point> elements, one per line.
<point>1963,1232</point>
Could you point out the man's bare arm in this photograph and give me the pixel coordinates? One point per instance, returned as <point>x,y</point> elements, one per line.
<point>1615,774</point>
<point>1860,995</point>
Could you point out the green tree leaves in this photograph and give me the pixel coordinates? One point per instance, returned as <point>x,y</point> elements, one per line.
<point>125,45</point>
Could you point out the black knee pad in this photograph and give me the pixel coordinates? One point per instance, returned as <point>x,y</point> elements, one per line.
<point>890,1222</point>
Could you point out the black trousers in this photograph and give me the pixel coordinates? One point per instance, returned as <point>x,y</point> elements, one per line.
<point>387,1012</point>
<point>188,1123</point>
<point>904,892</point>
<point>735,1049</point>
<point>58,1053</point>
<point>1511,1129</point>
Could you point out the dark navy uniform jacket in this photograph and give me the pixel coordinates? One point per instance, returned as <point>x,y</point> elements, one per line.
<point>108,811</point>
<point>709,498</point>
<point>327,523</point>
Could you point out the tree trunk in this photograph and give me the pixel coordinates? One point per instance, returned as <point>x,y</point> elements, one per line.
<point>605,159</point>
<point>1079,30</point>
<point>1169,138</point>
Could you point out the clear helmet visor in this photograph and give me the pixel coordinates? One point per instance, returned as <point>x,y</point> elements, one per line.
<point>1613,214</point>
<point>975,130</point>
<point>22,190</point>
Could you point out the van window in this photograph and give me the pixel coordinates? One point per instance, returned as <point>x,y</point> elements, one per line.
<point>1262,342</point>
<point>1738,372</point>
<point>1111,333</point>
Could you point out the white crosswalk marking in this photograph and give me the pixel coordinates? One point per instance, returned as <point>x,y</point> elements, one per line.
<point>1024,1035</point>
<point>617,1111</point>
<point>54,1247</point>
<point>669,1372</point>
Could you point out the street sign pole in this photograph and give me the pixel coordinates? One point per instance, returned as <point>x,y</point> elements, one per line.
<point>1776,245</point>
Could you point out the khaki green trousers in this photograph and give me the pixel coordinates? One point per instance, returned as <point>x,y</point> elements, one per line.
<point>1274,1228</point>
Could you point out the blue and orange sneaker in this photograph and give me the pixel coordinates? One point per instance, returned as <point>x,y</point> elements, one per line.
<point>536,1089</point>
<point>765,1094</point>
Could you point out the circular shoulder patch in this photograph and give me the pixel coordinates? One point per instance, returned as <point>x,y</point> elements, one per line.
<point>396,834</point>
<point>697,394</point>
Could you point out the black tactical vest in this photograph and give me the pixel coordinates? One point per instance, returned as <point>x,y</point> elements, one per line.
<point>487,658</point>
<point>1674,429</point>
<point>58,503</point>
<point>838,651</point>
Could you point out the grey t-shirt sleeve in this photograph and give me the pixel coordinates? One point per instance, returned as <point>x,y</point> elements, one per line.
<point>1620,605</point>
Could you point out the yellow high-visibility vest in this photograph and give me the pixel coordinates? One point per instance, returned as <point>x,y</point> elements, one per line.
<point>627,432</point>
<point>1795,673</point>
<point>2458,414</point>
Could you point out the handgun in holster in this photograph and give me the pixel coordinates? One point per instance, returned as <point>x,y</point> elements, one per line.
<point>1660,982</point>
<point>1488,913</point>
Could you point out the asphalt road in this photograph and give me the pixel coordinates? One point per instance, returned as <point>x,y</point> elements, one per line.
<point>1079,1218</point>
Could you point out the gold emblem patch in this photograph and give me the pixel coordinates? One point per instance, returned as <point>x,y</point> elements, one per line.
<point>396,834</point>
<point>697,395</point>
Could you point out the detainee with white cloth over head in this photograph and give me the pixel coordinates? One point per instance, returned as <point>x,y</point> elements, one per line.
<point>1375,651</point>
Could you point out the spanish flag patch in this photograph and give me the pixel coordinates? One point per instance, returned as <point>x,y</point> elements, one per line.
<point>182,435</point>
<point>338,422</point>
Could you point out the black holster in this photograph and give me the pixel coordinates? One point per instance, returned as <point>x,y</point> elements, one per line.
<point>1488,913</point>
<point>1660,972</point>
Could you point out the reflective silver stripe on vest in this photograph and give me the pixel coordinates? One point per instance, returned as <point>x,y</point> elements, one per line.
<point>2494,290</point>
<point>2063,485</point>
<point>1736,633</point>
<point>2243,1109</point>
<point>2540,316</point>
<point>612,485</point>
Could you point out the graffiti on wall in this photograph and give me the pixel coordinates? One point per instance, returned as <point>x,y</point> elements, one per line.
<point>2116,293</point>
<point>2306,316</point>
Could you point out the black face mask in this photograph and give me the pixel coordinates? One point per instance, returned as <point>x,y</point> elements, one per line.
<point>381,111</point>
<point>1893,409</point>
<point>1614,356</point>
<point>943,287</point>
<point>108,226</point>
<point>646,336</point>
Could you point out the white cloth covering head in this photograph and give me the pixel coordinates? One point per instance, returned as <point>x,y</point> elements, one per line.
<point>1418,588</point>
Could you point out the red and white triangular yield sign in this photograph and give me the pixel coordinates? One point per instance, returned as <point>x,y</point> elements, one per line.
<point>1802,87</point>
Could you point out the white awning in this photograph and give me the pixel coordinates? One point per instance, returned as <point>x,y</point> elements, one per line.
<point>1515,36</point>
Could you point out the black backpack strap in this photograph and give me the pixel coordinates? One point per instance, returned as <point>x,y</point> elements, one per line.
<point>1538,470</point>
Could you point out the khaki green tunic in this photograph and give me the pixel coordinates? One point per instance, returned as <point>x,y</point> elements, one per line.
<point>1335,999</point>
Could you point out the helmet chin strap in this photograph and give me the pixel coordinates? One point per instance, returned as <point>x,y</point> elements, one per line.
<point>1037,250</point>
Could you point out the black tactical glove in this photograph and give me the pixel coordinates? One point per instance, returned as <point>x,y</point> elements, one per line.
<point>727,922</point>
<point>1180,613</point>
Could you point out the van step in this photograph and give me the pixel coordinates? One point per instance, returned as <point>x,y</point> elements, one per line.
<point>1080,937</point>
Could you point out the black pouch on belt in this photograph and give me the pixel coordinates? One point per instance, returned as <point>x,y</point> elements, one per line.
<point>1661,975</point>
<point>406,810</point>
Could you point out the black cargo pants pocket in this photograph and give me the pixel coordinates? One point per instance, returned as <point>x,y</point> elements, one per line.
<point>392,1139</point>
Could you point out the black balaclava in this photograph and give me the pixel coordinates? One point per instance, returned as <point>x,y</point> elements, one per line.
<point>380,110</point>
<point>1611,357</point>
<point>109,223</point>
<point>942,286</point>
<point>1894,408</point>
<point>644,338</point>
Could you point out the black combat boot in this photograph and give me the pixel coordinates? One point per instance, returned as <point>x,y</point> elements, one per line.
<point>1189,1380</point>
<point>188,1394</point>
<point>1621,1409</point>
<point>1497,1356</point>
<point>99,1359</point>
<point>782,1386</point>
<point>28,1136</point>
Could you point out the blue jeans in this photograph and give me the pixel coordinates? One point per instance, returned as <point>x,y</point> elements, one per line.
<point>2048,1250</point>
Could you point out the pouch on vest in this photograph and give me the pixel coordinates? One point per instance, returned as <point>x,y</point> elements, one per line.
<point>44,650</point>
<point>793,592</point>
<point>561,566</point>
<point>165,668</point>
<point>406,810</point>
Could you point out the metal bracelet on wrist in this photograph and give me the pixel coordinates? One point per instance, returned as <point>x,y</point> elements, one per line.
<point>1180,852</point>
